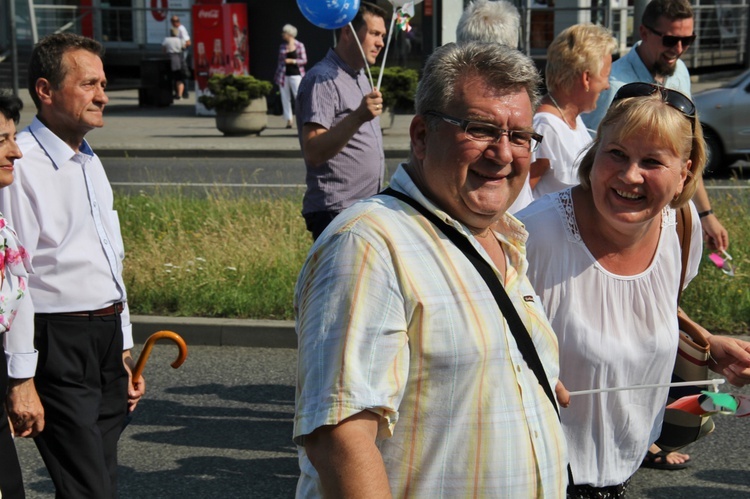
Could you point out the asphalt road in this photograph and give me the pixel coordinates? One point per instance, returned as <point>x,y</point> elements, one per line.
<point>220,426</point>
<point>199,175</point>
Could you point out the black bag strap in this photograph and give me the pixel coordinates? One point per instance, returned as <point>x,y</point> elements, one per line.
<point>521,335</point>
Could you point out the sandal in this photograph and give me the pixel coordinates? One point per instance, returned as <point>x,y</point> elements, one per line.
<point>650,461</point>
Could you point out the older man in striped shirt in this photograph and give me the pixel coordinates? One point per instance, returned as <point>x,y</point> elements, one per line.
<point>410,381</point>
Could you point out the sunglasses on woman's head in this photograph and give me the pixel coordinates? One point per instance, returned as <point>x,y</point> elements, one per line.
<point>670,41</point>
<point>673,98</point>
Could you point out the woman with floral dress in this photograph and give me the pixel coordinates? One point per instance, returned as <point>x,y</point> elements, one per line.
<point>21,414</point>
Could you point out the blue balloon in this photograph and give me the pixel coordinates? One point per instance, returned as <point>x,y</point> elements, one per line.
<point>329,14</point>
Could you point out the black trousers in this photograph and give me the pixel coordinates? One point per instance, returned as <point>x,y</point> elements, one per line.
<point>83,386</point>
<point>317,221</point>
<point>11,482</point>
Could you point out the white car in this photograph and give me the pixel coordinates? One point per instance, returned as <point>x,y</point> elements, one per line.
<point>724,113</point>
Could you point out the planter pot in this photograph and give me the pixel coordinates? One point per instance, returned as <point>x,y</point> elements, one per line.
<point>252,120</point>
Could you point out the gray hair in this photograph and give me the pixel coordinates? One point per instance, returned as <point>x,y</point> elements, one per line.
<point>289,30</point>
<point>500,66</point>
<point>489,21</point>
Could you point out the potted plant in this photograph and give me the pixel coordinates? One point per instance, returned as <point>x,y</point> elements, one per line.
<point>239,101</point>
<point>399,86</point>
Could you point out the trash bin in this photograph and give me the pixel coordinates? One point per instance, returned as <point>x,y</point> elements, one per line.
<point>156,83</point>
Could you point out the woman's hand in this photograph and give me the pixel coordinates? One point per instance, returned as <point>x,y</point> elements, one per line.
<point>562,394</point>
<point>730,357</point>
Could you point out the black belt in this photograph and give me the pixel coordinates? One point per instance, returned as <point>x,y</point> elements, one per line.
<point>114,309</point>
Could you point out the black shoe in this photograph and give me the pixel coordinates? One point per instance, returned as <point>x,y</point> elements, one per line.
<point>185,94</point>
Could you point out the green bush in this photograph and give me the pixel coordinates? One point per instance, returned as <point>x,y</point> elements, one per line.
<point>233,92</point>
<point>399,87</point>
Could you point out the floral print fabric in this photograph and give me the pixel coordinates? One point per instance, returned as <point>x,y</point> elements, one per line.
<point>15,266</point>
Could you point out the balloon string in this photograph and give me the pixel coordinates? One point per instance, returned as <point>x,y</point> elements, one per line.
<point>706,382</point>
<point>361,51</point>
<point>387,44</point>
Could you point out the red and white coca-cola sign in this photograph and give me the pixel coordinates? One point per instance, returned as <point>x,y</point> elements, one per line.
<point>208,17</point>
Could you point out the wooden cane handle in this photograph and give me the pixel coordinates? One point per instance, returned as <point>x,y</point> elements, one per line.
<point>143,357</point>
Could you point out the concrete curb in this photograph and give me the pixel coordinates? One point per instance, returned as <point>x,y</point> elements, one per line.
<point>115,152</point>
<point>219,332</point>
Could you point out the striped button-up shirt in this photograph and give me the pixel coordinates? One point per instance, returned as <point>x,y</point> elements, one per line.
<point>328,93</point>
<point>394,319</point>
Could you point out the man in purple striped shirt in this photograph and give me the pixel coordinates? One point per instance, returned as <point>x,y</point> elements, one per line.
<point>338,120</point>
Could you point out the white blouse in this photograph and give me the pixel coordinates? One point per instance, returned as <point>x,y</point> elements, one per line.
<point>562,147</point>
<point>614,331</point>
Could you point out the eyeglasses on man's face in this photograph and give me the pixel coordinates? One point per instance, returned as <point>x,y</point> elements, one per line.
<point>487,133</point>
<point>673,98</point>
<point>670,41</point>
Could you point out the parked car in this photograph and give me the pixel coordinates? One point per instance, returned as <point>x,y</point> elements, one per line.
<point>725,115</point>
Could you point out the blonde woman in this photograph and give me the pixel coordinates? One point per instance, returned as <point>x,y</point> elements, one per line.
<point>578,65</point>
<point>290,69</point>
<point>604,258</point>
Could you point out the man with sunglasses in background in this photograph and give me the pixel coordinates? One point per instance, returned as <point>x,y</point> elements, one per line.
<point>411,381</point>
<point>666,34</point>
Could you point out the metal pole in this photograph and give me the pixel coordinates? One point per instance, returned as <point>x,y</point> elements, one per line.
<point>32,21</point>
<point>13,46</point>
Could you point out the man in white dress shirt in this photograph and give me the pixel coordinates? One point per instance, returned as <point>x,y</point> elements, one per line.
<point>61,207</point>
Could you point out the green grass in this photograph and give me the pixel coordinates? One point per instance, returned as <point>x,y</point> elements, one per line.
<point>229,256</point>
<point>717,301</point>
<point>218,256</point>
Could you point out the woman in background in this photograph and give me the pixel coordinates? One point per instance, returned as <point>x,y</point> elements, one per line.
<point>21,412</point>
<point>174,47</point>
<point>578,65</point>
<point>290,70</point>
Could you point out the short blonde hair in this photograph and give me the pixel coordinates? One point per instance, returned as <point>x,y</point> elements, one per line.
<point>574,51</point>
<point>289,30</point>
<point>652,118</point>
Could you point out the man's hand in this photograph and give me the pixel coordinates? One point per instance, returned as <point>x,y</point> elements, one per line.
<point>320,144</point>
<point>715,235</point>
<point>136,388</point>
<point>730,357</point>
<point>25,410</point>
<point>371,106</point>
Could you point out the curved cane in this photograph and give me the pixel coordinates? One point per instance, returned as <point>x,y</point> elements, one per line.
<point>143,357</point>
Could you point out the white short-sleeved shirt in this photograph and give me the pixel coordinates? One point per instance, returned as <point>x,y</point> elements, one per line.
<point>613,331</point>
<point>562,147</point>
